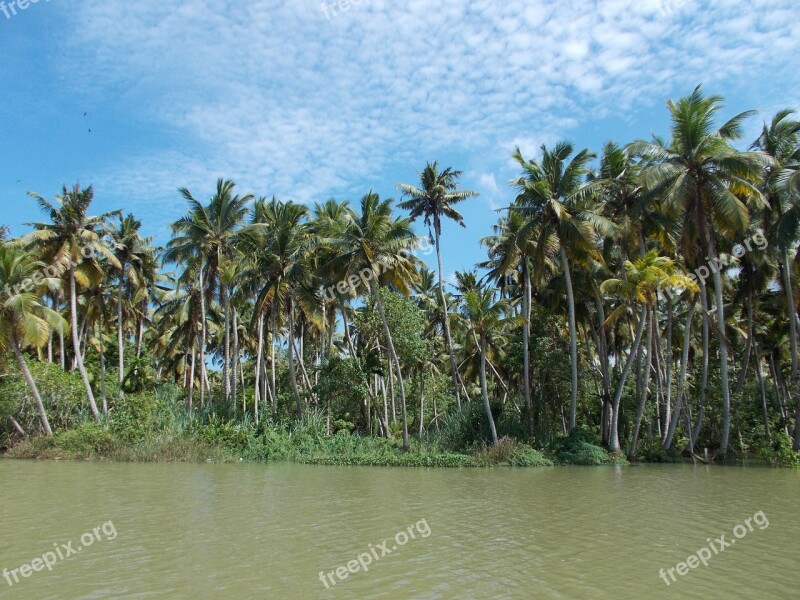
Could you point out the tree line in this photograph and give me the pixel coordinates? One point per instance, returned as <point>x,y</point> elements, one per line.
<point>647,292</point>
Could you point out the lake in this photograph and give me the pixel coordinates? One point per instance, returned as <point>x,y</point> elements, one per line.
<point>292,531</point>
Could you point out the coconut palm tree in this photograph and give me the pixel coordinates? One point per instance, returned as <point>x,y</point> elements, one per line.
<point>781,140</point>
<point>208,232</point>
<point>281,237</point>
<point>557,215</point>
<point>132,253</point>
<point>24,320</point>
<point>434,200</point>
<point>703,178</point>
<point>640,286</point>
<point>377,247</point>
<point>72,242</point>
<point>486,317</point>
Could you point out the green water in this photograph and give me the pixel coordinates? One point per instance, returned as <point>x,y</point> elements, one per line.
<point>256,531</point>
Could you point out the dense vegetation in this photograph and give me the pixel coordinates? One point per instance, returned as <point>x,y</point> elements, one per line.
<point>640,302</point>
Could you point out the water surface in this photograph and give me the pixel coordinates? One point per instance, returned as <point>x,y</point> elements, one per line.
<point>267,531</point>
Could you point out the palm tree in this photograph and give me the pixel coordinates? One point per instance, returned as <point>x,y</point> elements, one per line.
<point>702,177</point>
<point>71,242</point>
<point>781,141</point>
<point>486,317</point>
<point>208,233</point>
<point>433,201</point>
<point>643,279</point>
<point>24,320</point>
<point>377,247</point>
<point>280,240</point>
<point>557,216</point>
<point>132,252</point>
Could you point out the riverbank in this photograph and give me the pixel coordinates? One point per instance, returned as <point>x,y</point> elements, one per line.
<point>304,443</point>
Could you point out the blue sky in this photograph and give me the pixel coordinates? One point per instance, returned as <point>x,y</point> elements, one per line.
<point>290,101</point>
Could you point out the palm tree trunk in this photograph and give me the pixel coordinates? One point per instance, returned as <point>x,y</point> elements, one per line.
<point>73,316</point>
<point>704,376</point>
<point>573,339</point>
<point>421,401</point>
<point>668,366</point>
<point>723,347</point>
<point>644,388</point>
<point>23,366</point>
<point>687,341</point>
<point>395,360</point>
<point>202,337</point>
<point>235,364</point>
<point>613,439</point>
<point>447,334</point>
<point>259,363</point>
<point>140,328</point>
<point>760,377</point>
<point>526,340</point>
<point>102,365</point>
<point>484,388</point>
<point>17,427</point>
<point>792,309</point>
<point>292,374</point>
<point>274,392</point>
<point>120,348</point>
<point>191,377</point>
<point>226,365</point>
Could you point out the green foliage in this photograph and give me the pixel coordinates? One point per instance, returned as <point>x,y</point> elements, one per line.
<point>778,452</point>
<point>63,396</point>
<point>85,442</point>
<point>343,384</point>
<point>406,324</point>
<point>581,447</point>
<point>654,452</point>
<point>509,451</point>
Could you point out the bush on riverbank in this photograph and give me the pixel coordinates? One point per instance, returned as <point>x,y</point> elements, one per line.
<point>581,448</point>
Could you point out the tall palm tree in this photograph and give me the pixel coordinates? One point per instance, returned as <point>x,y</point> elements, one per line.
<point>208,233</point>
<point>702,177</point>
<point>72,242</point>
<point>377,246</point>
<point>486,316</point>
<point>640,285</point>
<point>131,251</point>
<point>434,200</point>
<point>781,140</point>
<point>281,239</point>
<point>24,320</point>
<point>556,214</point>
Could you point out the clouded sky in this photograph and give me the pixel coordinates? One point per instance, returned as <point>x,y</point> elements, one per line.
<point>292,100</point>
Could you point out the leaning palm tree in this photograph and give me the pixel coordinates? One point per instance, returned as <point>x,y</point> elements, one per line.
<point>72,242</point>
<point>433,200</point>
<point>376,248</point>
<point>548,196</point>
<point>24,320</point>
<point>640,285</point>
<point>702,177</point>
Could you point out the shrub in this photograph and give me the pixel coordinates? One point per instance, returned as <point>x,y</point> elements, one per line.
<point>580,448</point>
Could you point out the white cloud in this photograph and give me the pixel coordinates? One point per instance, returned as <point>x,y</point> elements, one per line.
<point>287,101</point>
